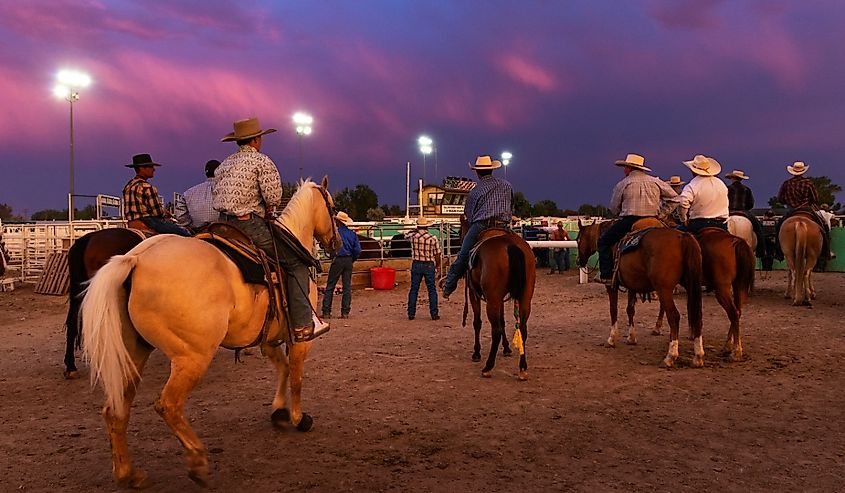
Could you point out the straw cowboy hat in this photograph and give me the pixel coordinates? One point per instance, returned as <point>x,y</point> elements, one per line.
<point>634,161</point>
<point>485,162</point>
<point>675,181</point>
<point>797,168</point>
<point>704,166</point>
<point>246,129</point>
<point>344,218</point>
<point>423,222</point>
<point>737,174</point>
<point>141,160</point>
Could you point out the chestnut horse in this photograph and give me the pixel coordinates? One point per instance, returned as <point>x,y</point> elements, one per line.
<point>664,258</point>
<point>84,259</point>
<point>503,266</point>
<point>187,298</point>
<point>800,239</point>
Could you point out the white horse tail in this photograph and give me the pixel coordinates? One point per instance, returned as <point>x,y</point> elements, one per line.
<point>103,309</point>
<point>800,254</point>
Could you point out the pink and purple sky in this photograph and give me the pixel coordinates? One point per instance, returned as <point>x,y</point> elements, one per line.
<point>567,87</point>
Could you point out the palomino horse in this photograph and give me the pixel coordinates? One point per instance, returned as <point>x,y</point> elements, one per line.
<point>503,266</point>
<point>741,227</point>
<point>800,239</point>
<point>187,298</point>
<point>664,258</point>
<point>728,265</point>
<point>85,257</point>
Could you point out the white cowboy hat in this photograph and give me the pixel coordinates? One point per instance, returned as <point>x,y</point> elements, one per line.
<point>246,129</point>
<point>485,162</point>
<point>633,161</point>
<point>737,174</point>
<point>344,218</point>
<point>797,168</point>
<point>675,181</point>
<point>704,166</point>
<point>423,222</point>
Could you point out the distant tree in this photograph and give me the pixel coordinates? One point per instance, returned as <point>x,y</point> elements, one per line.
<point>545,208</point>
<point>521,205</point>
<point>392,210</point>
<point>774,203</point>
<point>597,210</point>
<point>375,214</point>
<point>49,215</point>
<point>356,202</point>
<point>569,212</point>
<point>6,213</point>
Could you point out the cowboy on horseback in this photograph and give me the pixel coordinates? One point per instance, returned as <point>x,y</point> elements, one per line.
<point>635,197</point>
<point>193,209</point>
<point>740,202</point>
<point>799,194</point>
<point>247,188</point>
<point>142,208</point>
<point>704,201</point>
<point>487,205</point>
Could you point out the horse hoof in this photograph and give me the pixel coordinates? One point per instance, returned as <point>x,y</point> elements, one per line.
<point>611,343</point>
<point>523,376</point>
<point>306,423</point>
<point>476,358</point>
<point>736,357</point>
<point>507,352</point>
<point>655,332</point>
<point>698,361</point>
<point>486,374</point>
<point>199,477</point>
<point>280,417</point>
<point>668,362</point>
<point>136,480</point>
<point>631,341</point>
<point>71,374</point>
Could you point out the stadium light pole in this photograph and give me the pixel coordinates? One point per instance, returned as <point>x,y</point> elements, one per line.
<point>68,84</point>
<point>426,146</point>
<point>303,122</point>
<point>506,160</point>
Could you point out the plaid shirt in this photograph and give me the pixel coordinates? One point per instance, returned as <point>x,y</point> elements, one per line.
<point>424,245</point>
<point>798,191</point>
<point>247,181</point>
<point>140,199</point>
<point>639,194</point>
<point>193,208</point>
<point>740,197</point>
<point>490,199</point>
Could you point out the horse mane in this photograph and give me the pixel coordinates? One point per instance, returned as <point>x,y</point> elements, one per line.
<point>299,205</point>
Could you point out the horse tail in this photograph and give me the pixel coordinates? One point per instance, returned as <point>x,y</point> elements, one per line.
<point>800,259</point>
<point>103,309</point>
<point>77,277</point>
<point>745,262</point>
<point>516,271</point>
<point>693,276</point>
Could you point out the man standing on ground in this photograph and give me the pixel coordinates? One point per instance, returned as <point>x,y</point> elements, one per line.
<point>141,206</point>
<point>194,209</point>
<point>560,256</point>
<point>425,252</point>
<point>341,267</point>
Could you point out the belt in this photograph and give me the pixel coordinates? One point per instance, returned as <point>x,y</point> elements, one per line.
<point>243,217</point>
<point>720,219</point>
<point>494,222</point>
<point>425,261</point>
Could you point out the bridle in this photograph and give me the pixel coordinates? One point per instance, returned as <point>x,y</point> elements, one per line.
<point>331,211</point>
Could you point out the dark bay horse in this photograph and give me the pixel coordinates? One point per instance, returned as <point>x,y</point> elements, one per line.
<point>664,258</point>
<point>503,266</point>
<point>84,258</point>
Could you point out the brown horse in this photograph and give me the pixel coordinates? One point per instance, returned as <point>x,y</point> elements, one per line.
<point>84,258</point>
<point>503,266</point>
<point>664,258</point>
<point>800,239</point>
<point>588,239</point>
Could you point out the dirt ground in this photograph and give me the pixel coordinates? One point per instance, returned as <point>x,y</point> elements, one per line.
<point>399,406</point>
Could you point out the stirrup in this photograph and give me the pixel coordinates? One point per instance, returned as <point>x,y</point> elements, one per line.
<point>305,334</point>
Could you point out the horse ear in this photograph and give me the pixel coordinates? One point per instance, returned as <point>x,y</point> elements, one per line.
<point>580,225</point>
<point>325,182</point>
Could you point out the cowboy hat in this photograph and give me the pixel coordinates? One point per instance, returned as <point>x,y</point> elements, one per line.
<point>246,129</point>
<point>423,222</point>
<point>141,160</point>
<point>675,181</point>
<point>704,166</point>
<point>344,218</point>
<point>797,168</point>
<point>737,174</point>
<point>485,162</point>
<point>633,161</point>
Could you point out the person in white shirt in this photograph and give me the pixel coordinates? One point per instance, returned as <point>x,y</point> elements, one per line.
<point>704,201</point>
<point>193,209</point>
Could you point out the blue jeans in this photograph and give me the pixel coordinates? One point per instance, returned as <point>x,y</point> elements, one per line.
<point>560,259</point>
<point>610,238</point>
<point>162,225</point>
<point>297,277</point>
<point>695,225</point>
<point>341,268</point>
<point>459,267</point>
<point>419,271</point>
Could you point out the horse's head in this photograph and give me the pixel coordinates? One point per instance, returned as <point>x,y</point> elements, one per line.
<point>588,239</point>
<point>325,227</point>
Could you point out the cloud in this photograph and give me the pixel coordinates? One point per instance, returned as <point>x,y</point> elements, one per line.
<point>527,72</point>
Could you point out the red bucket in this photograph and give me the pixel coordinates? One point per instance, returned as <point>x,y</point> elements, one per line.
<point>382,277</point>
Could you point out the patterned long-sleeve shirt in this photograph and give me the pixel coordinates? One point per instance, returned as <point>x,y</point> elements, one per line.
<point>490,199</point>
<point>798,191</point>
<point>246,182</point>
<point>140,199</point>
<point>194,208</point>
<point>740,197</point>
<point>424,246</point>
<point>639,194</point>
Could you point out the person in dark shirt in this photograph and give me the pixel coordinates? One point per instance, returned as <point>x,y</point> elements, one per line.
<point>341,267</point>
<point>740,202</point>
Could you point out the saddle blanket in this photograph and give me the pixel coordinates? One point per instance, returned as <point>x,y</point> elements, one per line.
<point>632,240</point>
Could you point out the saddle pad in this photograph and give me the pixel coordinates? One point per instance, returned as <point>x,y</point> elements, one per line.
<point>632,240</point>
<point>241,254</point>
<point>143,233</point>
